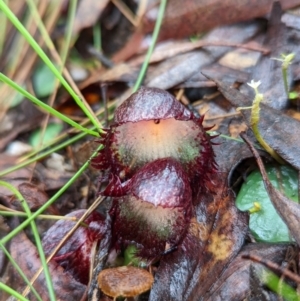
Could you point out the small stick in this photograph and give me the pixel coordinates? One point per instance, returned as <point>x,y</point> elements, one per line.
<point>273,266</point>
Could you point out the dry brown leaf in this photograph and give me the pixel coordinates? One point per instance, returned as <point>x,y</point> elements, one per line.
<point>183,19</point>
<point>88,12</point>
<point>25,254</point>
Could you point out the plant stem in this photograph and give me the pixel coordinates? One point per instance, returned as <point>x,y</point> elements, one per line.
<point>254,121</point>
<point>4,287</point>
<point>162,7</point>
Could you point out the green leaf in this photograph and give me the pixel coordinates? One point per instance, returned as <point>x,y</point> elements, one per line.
<point>280,287</point>
<point>52,131</point>
<point>43,81</point>
<point>266,225</point>
<point>130,257</point>
<point>293,95</point>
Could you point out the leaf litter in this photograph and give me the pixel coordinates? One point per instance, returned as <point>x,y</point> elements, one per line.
<point>208,264</point>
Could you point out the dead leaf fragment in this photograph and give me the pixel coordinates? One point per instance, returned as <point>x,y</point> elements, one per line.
<point>182,67</point>
<point>183,19</point>
<point>236,282</point>
<point>25,254</point>
<point>87,14</point>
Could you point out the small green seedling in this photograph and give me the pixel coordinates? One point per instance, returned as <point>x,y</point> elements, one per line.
<point>130,257</point>
<point>286,60</point>
<point>254,120</point>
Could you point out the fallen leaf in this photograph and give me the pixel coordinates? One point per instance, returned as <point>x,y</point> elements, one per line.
<point>180,68</point>
<point>34,195</point>
<point>184,19</point>
<point>25,254</point>
<point>87,14</point>
<point>291,20</point>
<point>220,72</point>
<point>236,283</point>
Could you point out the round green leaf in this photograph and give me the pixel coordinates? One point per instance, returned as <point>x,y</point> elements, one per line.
<point>52,131</point>
<point>266,225</point>
<point>43,81</point>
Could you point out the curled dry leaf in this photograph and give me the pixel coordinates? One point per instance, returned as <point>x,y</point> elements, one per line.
<point>125,281</point>
<point>25,254</point>
<point>75,255</point>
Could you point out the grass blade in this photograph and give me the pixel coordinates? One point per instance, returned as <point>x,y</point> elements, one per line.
<point>14,20</point>
<point>44,106</point>
<point>36,237</point>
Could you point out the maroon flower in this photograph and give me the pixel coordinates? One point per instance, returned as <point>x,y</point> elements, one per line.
<point>155,211</point>
<point>151,124</point>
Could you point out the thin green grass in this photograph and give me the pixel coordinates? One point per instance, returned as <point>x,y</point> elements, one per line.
<point>44,106</point>
<point>9,14</point>
<point>279,286</point>
<point>3,23</point>
<point>161,12</point>
<point>97,37</point>
<point>63,54</point>
<point>21,273</point>
<point>60,59</point>
<point>9,212</point>
<point>36,236</point>
<point>68,34</point>
<point>6,288</point>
